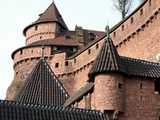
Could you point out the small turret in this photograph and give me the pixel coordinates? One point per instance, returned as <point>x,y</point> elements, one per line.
<point>109,84</point>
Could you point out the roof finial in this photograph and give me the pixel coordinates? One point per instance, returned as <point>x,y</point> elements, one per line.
<point>107,31</point>
<point>42,52</point>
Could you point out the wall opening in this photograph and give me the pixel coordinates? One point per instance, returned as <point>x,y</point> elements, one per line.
<point>150,2</point>
<point>36,28</point>
<point>122,27</point>
<point>131,20</point>
<point>141,12</point>
<point>97,46</point>
<point>89,51</point>
<point>157,86</point>
<point>56,65</point>
<point>66,63</point>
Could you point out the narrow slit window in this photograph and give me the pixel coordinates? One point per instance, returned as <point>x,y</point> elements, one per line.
<point>66,63</point>
<point>97,46</point>
<point>56,65</point>
<point>141,12</point>
<point>89,51</point>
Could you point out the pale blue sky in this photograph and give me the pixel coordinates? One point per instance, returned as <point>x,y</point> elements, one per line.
<point>15,15</point>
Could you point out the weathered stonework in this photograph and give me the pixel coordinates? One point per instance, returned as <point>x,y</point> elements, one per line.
<point>136,39</point>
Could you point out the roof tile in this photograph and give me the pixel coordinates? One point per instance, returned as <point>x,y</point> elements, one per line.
<point>42,87</point>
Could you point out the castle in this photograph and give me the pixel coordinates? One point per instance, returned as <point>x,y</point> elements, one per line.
<point>113,72</point>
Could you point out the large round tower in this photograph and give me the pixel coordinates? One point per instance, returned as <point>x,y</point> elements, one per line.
<point>49,25</point>
<point>51,32</point>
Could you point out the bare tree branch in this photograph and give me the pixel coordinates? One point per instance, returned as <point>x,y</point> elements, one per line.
<point>123,6</point>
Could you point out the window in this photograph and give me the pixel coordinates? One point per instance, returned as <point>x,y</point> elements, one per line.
<point>114,34</point>
<point>120,85</point>
<point>91,36</point>
<point>131,20</point>
<point>122,27</point>
<point>150,2</point>
<point>89,51</point>
<point>56,65</point>
<point>36,28</point>
<point>97,46</point>
<point>157,86</point>
<point>141,12</point>
<point>141,85</point>
<point>31,51</point>
<point>40,37</point>
<point>66,63</point>
<point>75,60</point>
<point>141,97</point>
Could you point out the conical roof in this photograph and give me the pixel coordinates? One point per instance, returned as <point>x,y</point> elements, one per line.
<point>51,14</point>
<point>42,87</point>
<point>107,59</point>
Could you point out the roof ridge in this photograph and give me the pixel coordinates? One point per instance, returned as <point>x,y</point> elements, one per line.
<point>52,73</point>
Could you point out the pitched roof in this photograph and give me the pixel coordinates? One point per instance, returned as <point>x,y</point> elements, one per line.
<point>108,60</point>
<point>59,41</point>
<point>85,89</point>
<point>141,68</point>
<point>51,14</point>
<point>10,110</point>
<point>42,87</point>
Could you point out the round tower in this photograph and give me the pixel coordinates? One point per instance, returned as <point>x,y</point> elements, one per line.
<point>49,25</point>
<point>109,92</point>
<point>43,32</point>
<point>109,84</point>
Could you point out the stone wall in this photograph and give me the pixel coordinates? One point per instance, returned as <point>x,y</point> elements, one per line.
<point>109,92</point>
<point>41,31</point>
<point>140,99</point>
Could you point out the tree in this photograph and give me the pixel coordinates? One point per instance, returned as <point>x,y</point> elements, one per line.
<point>123,6</point>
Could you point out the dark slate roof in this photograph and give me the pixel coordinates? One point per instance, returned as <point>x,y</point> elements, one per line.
<point>42,87</point>
<point>51,14</point>
<point>141,68</point>
<point>10,110</point>
<point>82,91</point>
<point>108,60</point>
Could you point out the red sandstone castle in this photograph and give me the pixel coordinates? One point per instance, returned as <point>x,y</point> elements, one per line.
<point>113,72</point>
